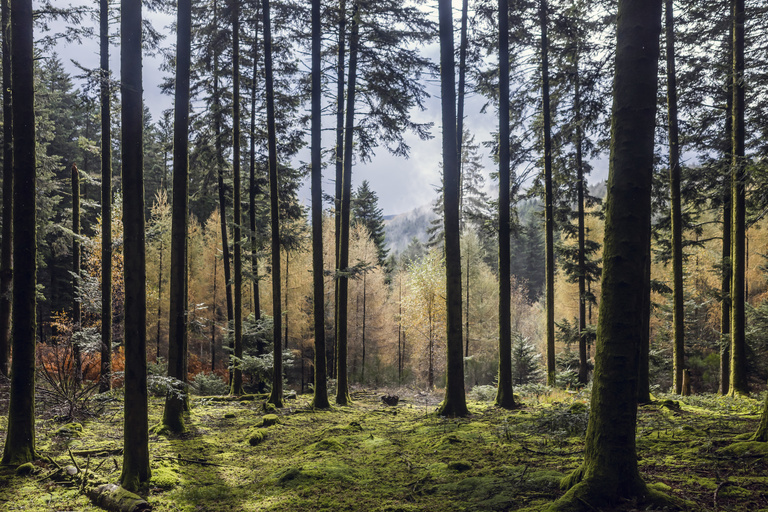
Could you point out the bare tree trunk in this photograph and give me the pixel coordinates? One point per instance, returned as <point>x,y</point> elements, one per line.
<point>136,437</point>
<point>237,381</point>
<point>320,399</point>
<point>77,307</point>
<point>176,400</point>
<point>6,251</point>
<point>504,394</point>
<point>105,378</point>
<point>20,433</point>
<point>276,397</point>
<point>454,402</point>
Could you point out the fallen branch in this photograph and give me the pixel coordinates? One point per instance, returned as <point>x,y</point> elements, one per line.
<point>98,451</point>
<point>191,461</point>
<point>558,454</point>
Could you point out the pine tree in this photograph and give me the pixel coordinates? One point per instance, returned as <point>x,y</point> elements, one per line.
<point>6,250</point>
<point>20,434</point>
<point>173,415</point>
<point>366,211</point>
<point>136,469</point>
<point>609,472</point>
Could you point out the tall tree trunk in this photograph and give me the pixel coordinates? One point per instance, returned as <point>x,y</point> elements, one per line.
<point>738,384</point>
<point>725,279</point>
<point>582,257</point>
<point>6,251</point>
<point>276,397</point>
<point>254,186</point>
<point>454,403</point>
<point>549,222</point>
<point>159,300</point>
<point>285,307</point>
<point>609,473</point>
<point>504,395</point>
<point>678,314</point>
<point>339,153</point>
<point>77,306</point>
<point>365,296</point>
<point>220,173</point>
<point>463,43</point>
<point>400,329</point>
<point>173,416</point>
<point>320,399</point>
<point>136,437</point>
<point>213,318</point>
<point>342,386</point>
<point>105,379</point>
<point>20,433</point>
<point>237,382</point>
<point>644,360</point>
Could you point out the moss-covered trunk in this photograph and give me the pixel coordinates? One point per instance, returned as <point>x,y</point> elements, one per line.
<point>504,394</point>
<point>173,416</point>
<point>276,397</point>
<point>609,471</point>
<point>320,399</point>
<point>342,384</point>
<point>454,403</point>
<point>20,436</point>
<point>105,378</point>
<point>738,384</point>
<point>135,437</point>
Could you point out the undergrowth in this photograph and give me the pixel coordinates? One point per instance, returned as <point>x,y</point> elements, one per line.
<point>373,457</point>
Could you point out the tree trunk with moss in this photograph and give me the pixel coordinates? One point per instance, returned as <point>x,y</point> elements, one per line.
<point>6,251</point>
<point>549,221</point>
<point>678,314</point>
<point>454,403</point>
<point>20,433</point>
<point>609,472</point>
<point>738,380</point>
<point>173,415</point>
<point>762,431</point>
<point>320,399</point>
<point>136,437</point>
<point>504,394</point>
<point>276,397</point>
<point>342,385</point>
<point>105,378</point>
<point>237,381</point>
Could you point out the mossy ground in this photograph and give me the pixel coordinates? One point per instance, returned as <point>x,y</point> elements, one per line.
<point>372,457</point>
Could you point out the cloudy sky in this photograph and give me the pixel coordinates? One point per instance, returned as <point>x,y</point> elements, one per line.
<point>400,183</point>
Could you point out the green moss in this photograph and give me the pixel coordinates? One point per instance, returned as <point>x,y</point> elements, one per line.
<point>164,478</point>
<point>70,430</point>
<point>256,438</point>
<point>746,448</point>
<point>25,469</point>
<point>328,445</point>
<point>268,420</point>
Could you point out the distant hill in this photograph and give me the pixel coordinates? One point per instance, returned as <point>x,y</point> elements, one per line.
<point>400,229</point>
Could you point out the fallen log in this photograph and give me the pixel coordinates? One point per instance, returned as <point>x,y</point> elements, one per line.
<point>115,498</point>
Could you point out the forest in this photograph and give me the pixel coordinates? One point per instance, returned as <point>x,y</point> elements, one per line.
<point>206,308</point>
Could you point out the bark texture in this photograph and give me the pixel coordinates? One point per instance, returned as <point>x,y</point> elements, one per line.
<point>136,437</point>
<point>609,472</point>
<point>105,377</point>
<point>6,250</point>
<point>504,395</point>
<point>454,403</point>
<point>20,436</point>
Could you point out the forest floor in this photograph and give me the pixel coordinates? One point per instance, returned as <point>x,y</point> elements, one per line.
<point>373,457</point>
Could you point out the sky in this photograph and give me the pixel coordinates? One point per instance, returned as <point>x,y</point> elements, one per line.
<point>401,184</point>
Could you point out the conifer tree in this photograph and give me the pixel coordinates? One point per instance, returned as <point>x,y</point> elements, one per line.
<point>173,415</point>
<point>20,434</point>
<point>454,403</point>
<point>136,469</point>
<point>6,249</point>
